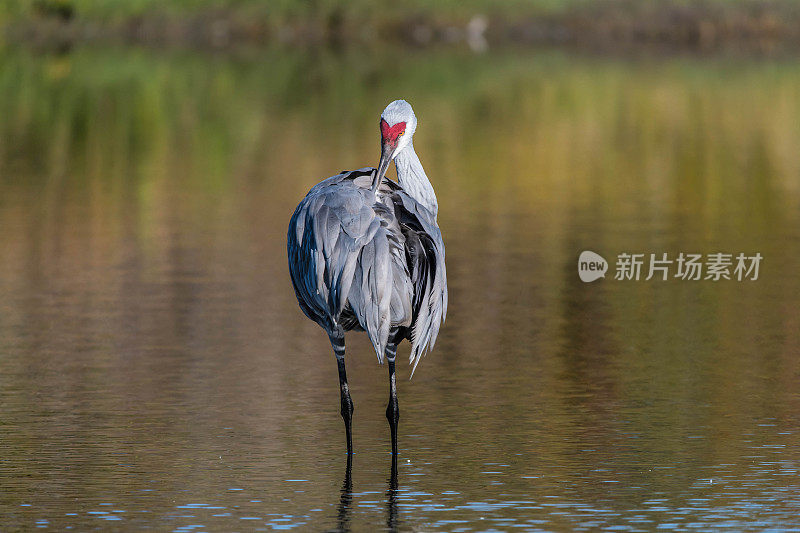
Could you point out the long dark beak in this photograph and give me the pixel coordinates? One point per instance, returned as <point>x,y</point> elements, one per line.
<point>386,158</point>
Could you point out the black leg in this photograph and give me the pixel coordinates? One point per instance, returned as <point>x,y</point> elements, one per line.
<point>393,409</point>
<point>347,403</point>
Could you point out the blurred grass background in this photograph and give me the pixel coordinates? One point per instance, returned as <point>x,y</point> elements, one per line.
<point>222,23</point>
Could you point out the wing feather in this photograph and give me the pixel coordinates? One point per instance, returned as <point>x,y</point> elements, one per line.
<point>341,246</point>
<point>426,257</point>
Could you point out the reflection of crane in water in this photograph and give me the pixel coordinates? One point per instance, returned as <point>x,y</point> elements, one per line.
<point>366,254</point>
<point>343,510</point>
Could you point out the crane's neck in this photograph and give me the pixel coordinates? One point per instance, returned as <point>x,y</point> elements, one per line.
<point>413,180</point>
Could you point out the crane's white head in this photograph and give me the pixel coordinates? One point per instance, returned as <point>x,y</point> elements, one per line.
<point>398,124</point>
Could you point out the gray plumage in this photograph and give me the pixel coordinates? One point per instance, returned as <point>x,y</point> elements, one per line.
<point>372,262</point>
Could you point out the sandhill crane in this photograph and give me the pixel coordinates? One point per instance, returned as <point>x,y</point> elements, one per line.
<point>366,254</point>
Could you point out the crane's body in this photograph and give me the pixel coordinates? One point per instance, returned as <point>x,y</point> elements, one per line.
<point>366,253</point>
<point>368,262</point>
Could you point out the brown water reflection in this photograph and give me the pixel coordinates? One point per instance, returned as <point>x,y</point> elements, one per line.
<point>156,371</point>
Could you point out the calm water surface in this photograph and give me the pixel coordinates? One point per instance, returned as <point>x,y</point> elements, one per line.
<point>155,371</point>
